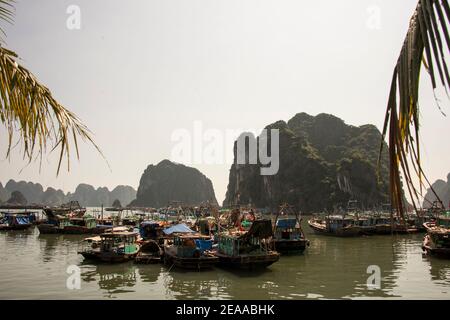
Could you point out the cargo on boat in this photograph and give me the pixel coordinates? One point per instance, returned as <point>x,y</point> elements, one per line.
<point>152,230</point>
<point>250,249</point>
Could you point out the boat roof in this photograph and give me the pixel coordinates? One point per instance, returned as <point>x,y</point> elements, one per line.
<point>118,234</point>
<point>178,228</point>
<point>191,236</point>
<point>96,238</point>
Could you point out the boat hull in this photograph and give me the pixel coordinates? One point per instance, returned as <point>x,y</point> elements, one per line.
<point>291,246</point>
<point>15,227</point>
<point>318,228</point>
<point>193,263</point>
<point>77,230</point>
<point>110,257</point>
<point>430,248</point>
<point>248,261</point>
<point>49,229</point>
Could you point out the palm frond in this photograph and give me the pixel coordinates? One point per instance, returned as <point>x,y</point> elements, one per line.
<point>28,109</point>
<point>424,43</point>
<point>6,15</point>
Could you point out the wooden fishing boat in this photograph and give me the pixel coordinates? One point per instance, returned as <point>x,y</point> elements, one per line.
<point>366,224</point>
<point>188,249</point>
<point>111,247</point>
<point>16,221</point>
<point>288,235</point>
<point>335,225</point>
<point>437,240</point>
<point>84,225</point>
<point>55,222</point>
<point>91,248</point>
<point>149,252</point>
<point>250,249</point>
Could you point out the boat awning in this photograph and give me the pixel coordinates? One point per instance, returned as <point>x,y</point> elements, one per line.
<point>179,228</point>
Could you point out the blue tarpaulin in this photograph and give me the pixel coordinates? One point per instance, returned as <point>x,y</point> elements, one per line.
<point>178,228</point>
<point>22,220</point>
<point>286,223</point>
<point>203,245</point>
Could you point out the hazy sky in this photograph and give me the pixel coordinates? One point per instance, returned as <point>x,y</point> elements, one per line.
<point>138,70</point>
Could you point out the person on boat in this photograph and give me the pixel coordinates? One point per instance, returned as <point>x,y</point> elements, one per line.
<point>252,216</point>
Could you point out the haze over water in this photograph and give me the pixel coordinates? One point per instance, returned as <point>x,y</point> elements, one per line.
<point>34,267</point>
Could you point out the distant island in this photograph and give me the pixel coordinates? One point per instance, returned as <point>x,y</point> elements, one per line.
<point>442,189</point>
<point>85,194</point>
<point>168,181</point>
<point>323,163</point>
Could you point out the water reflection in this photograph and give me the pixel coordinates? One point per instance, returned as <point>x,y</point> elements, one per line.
<point>48,244</point>
<point>330,268</point>
<point>112,279</point>
<point>439,270</point>
<point>208,284</point>
<point>150,273</point>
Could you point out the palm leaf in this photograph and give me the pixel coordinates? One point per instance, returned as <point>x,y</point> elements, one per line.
<point>6,15</point>
<point>28,109</point>
<point>423,44</point>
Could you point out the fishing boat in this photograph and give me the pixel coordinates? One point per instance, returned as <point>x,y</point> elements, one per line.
<point>111,247</point>
<point>16,221</point>
<point>84,225</point>
<point>188,249</point>
<point>250,249</point>
<point>90,248</point>
<point>55,222</point>
<point>437,240</point>
<point>288,235</point>
<point>149,252</point>
<point>335,225</point>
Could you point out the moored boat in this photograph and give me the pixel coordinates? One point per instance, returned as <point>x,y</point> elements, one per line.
<point>288,235</point>
<point>149,252</point>
<point>188,249</point>
<point>335,225</point>
<point>437,240</point>
<point>250,249</point>
<point>16,221</point>
<point>83,225</point>
<point>111,247</point>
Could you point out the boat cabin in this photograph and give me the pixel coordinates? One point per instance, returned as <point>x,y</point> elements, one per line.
<point>88,222</point>
<point>125,242</point>
<point>287,229</point>
<point>335,223</point>
<point>191,245</point>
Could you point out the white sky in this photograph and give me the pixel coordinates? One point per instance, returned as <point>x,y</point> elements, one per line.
<point>138,70</point>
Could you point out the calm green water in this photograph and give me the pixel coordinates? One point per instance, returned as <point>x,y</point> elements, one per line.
<point>33,266</point>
